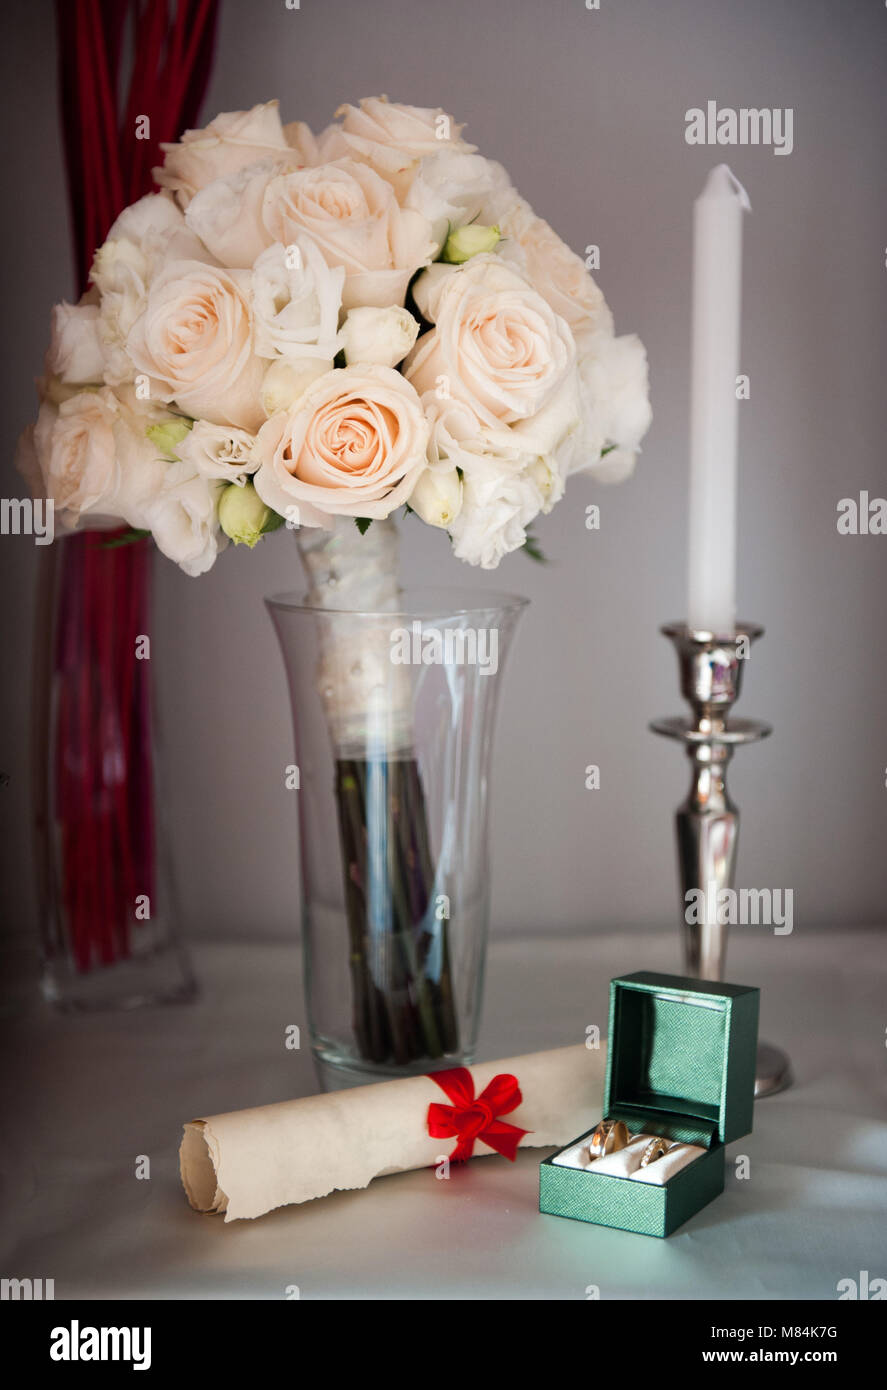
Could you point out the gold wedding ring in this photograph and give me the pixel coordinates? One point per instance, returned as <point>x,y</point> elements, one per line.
<point>655,1149</point>
<point>608,1137</point>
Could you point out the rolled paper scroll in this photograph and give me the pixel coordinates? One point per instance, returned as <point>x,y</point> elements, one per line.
<point>248,1162</point>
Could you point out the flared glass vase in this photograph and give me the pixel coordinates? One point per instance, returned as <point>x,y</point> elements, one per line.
<point>394,716</point>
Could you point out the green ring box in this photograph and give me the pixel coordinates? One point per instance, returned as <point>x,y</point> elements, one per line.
<point>681,1063</point>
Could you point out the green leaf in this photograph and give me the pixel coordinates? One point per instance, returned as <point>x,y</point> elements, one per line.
<point>339,359</point>
<point>363,523</point>
<point>608,450</point>
<point>531,548</point>
<point>128,538</point>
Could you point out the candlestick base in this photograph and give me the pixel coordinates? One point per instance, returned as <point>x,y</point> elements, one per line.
<point>773,1072</point>
<point>707,823</point>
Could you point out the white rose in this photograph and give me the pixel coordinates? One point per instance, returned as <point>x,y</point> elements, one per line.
<point>285,381</point>
<point>168,498</point>
<point>437,497</point>
<point>428,288</point>
<point>230,142</point>
<point>613,466</point>
<point>555,270</point>
<point>453,188</point>
<point>497,506</point>
<point>182,516</point>
<point>504,483</point>
<point>384,336</point>
<point>352,445</point>
<point>618,379</point>
<point>227,214</point>
<point>296,298</point>
<point>393,138</point>
<point>497,345</point>
<point>141,241</point>
<point>75,351</point>
<point>218,451</point>
<point>615,406</point>
<point>194,341</point>
<point>353,216</point>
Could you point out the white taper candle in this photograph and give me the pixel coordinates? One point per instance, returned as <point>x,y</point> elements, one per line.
<point>717,275</point>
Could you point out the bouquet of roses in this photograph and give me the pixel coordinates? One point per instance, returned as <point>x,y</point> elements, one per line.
<point>319,330</point>
<point>308,328</point>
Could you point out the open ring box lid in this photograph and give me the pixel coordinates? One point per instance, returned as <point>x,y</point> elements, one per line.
<point>681,1063</point>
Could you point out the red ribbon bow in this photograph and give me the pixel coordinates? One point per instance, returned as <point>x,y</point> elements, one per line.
<point>472,1117</point>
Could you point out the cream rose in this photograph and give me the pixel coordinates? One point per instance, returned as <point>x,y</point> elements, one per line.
<point>285,381</point>
<point>141,241</point>
<point>556,271</point>
<point>230,142</point>
<point>378,335</point>
<point>100,467</point>
<point>75,349</point>
<point>393,138</point>
<point>227,214</point>
<point>76,451</point>
<point>353,445</point>
<point>194,341</point>
<point>353,216</point>
<point>497,345</point>
<point>459,440</point>
<point>315,149</point>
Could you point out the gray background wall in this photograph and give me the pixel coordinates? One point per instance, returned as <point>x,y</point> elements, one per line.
<point>586,110</point>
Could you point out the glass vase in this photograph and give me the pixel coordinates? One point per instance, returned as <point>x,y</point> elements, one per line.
<point>394,715</point>
<point>109,935</point>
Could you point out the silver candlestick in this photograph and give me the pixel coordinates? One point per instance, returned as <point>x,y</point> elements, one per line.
<point>708,821</point>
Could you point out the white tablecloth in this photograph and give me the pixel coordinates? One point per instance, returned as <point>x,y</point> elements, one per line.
<point>85,1097</point>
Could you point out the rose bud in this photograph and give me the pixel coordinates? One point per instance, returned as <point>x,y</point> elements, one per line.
<point>465,242</point>
<point>244,517</point>
<point>382,336</point>
<point>437,497</point>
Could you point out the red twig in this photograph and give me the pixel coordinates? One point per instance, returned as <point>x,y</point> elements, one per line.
<point>102,762</point>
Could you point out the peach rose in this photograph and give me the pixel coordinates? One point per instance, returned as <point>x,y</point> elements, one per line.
<point>77,452</point>
<point>353,216</point>
<point>75,349</point>
<point>392,137</point>
<point>497,345</point>
<point>555,271</point>
<point>230,142</point>
<point>315,149</point>
<point>194,341</point>
<point>352,445</point>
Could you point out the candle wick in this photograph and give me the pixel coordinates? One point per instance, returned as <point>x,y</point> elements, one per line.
<point>737,187</point>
